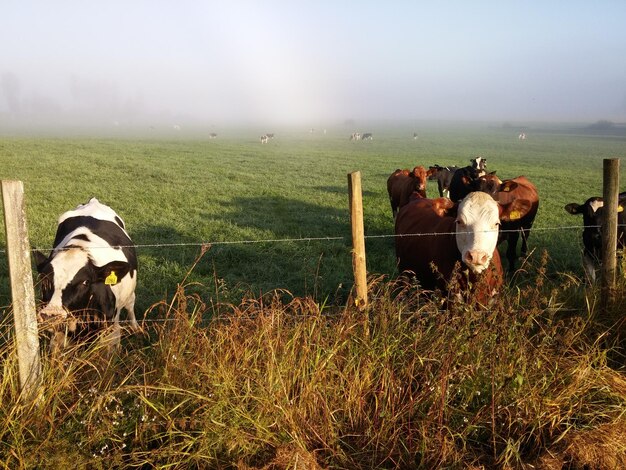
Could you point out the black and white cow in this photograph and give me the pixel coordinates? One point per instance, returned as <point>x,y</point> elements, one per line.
<point>443,175</point>
<point>367,136</point>
<point>464,179</point>
<point>592,211</point>
<point>91,273</point>
<point>480,164</point>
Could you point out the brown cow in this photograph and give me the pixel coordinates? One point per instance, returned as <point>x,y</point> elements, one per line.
<point>519,224</point>
<point>402,184</point>
<point>436,234</point>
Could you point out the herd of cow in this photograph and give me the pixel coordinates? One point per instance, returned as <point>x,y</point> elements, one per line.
<point>91,272</point>
<point>475,212</point>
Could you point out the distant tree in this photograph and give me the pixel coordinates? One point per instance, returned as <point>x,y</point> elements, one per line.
<point>601,125</point>
<point>11,90</point>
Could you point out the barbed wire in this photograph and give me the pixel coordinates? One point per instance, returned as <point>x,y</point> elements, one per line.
<point>327,238</point>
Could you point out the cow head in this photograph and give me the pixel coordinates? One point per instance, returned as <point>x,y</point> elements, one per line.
<point>480,164</point>
<point>477,223</point>
<point>71,282</point>
<point>419,173</point>
<point>488,183</point>
<point>432,171</point>
<point>593,218</point>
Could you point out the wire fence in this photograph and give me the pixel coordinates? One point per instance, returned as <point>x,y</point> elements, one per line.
<point>346,238</point>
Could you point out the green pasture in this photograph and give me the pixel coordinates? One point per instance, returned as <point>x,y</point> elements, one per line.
<point>263,208</point>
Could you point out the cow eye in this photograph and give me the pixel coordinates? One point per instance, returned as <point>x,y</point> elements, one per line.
<point>85,282</point>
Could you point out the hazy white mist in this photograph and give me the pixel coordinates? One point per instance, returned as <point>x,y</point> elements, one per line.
<point>228,62</point>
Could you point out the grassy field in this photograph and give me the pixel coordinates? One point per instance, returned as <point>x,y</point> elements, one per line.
<point>277,381</point>
<point>176,191</point>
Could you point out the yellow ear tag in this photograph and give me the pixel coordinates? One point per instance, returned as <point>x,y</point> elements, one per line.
<point>111,279</point>
<point>514,215</point>
<point>620,209</point>
<point>507,189</point>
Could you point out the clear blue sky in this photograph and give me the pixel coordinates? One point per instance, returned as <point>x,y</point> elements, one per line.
<point>315,61</point>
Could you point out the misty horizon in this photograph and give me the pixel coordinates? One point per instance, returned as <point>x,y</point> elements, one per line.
<point>281,63</point>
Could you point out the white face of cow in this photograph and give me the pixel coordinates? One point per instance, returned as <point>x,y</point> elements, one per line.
<point>477,223</point>
<point>65,266</point>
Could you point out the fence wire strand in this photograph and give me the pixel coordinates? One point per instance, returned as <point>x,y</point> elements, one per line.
<point>346,238</point>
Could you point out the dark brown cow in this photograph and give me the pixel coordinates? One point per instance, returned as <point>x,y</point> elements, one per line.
<point>401,185</point>
<point>437,234</point>
<point>519,224</point>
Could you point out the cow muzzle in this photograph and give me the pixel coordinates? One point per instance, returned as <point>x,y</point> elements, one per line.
<point>50,312</point>
<point>476,260</point>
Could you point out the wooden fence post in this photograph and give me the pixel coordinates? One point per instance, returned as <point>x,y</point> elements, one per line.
<point>23,295</point>
<point>609,230</point>
<point>358,239</point>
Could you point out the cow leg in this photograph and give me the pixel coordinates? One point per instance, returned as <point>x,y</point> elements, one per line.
<point>590,267</point>
<point>58,342</point>
<point>130,308</point>
<point>440,188</point>
<point>525,235</point>
<point>511,250</point>
<point>113,336</point>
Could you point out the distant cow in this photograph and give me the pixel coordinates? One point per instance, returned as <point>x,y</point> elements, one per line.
<point>401,184</point>
<point>436,234</point>
<point>212,135</point>
<point>355,136</point>
<point>91,273</point>
<point>415,136</point>
<point>522,136</point>
<point>592,211</point>
<point>443,175</point>
<point>269,135</point>
<point>264,138</point>
<point>519,224</point>
<point>367,136</point>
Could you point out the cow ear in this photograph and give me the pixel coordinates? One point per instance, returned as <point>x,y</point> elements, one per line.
<point>508,186</point>
<point>40,260</point>
<point>573,208</point>
<point>515,210</point>
<point>111,273</point>
<point>442,206</point>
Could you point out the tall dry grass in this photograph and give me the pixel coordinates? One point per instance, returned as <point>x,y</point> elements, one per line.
<point>275,384</point>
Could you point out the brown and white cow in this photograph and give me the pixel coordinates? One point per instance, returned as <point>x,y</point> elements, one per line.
<point>433,235</point>
<point>505,192</point>
<point>519,224</point>
<point>401,184</point>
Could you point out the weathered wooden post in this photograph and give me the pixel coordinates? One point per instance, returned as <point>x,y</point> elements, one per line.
<point>24,309</point>
<point>609,230</point>
<point>358,238</point>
